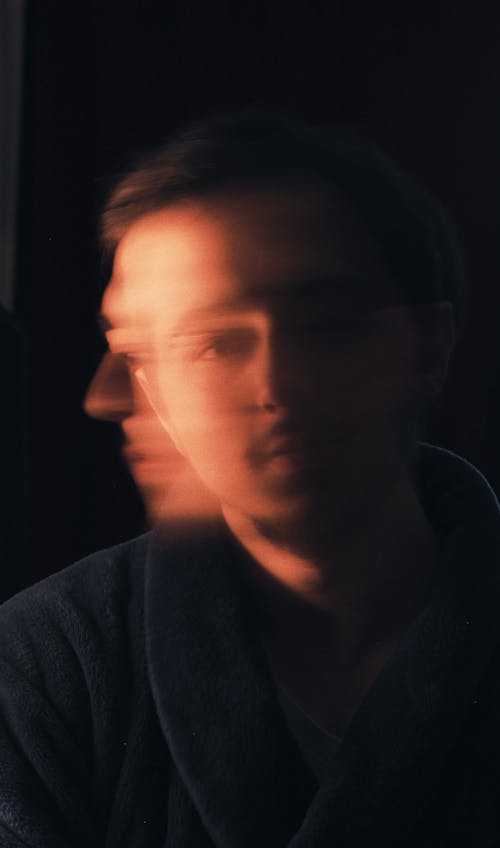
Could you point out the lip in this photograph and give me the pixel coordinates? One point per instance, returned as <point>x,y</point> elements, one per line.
<point>135,456</point>
<point>286,450</point>
<point>284,445</point>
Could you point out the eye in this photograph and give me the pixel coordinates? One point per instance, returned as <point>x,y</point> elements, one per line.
<point>229,344</point>
<point>134,357</point>
<point>137,357</point>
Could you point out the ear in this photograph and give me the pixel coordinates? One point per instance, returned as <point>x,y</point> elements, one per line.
<point>147,386</point>
<point>436,331</point>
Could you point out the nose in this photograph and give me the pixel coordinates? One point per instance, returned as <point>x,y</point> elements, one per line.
<point>109,396</point>
<point>278,367</point>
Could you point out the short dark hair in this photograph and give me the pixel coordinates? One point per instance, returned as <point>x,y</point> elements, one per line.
<point>417,240</point>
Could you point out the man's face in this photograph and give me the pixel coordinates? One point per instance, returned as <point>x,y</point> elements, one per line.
<point>248,320</point>
<point>115,395</point>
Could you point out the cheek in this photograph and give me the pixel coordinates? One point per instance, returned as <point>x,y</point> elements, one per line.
<point>374,396</point>
<point>202,395</point>
<point>207,423</point>
<point>142,404</point>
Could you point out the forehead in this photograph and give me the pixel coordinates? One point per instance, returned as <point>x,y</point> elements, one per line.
<point>239,249</point>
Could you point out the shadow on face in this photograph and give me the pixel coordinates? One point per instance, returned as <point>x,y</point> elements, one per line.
<point>259,355</point>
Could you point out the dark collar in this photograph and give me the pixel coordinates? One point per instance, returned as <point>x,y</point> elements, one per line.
<point>218,708</point>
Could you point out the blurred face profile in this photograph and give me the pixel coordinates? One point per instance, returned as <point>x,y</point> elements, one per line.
<point>259,326</point>
<point>115,395</point>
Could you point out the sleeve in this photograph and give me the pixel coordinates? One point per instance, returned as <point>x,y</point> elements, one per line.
<point>45,728</point>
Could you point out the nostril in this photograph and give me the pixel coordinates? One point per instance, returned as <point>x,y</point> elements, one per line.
<point>269,407</point>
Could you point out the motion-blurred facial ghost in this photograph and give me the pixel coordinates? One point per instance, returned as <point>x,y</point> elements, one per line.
<point>265,355</point>
<point>116,395</point>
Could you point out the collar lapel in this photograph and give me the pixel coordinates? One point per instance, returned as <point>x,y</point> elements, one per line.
<point>223,725</point>
<point>215,699</point>
<point>390,765</point>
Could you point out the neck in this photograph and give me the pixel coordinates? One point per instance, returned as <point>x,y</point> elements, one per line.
<point>361,581</point>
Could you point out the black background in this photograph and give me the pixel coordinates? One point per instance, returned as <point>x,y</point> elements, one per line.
<point>421,79</point>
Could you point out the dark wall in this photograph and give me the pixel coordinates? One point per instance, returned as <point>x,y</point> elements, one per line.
<point>105,78</point>
<point>14,527</point>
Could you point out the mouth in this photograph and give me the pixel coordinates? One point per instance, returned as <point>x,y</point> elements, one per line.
<point>298,448</point>
<point>285,450</point>
<point>132,454</point>
<point>135,456</point>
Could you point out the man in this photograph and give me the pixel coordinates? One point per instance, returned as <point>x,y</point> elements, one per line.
<point>304,652</point>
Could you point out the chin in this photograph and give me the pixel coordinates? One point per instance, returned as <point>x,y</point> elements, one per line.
<point>294,509</point>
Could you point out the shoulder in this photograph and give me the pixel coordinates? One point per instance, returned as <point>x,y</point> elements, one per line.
<point>72,672</point>
<point>78,616</point>
<point>92,579</point>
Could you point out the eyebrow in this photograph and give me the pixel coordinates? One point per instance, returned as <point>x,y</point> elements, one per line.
<point>302,286</point>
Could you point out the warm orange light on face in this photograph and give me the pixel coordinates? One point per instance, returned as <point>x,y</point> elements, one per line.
<point>257,369</point>
<point>166,481</point>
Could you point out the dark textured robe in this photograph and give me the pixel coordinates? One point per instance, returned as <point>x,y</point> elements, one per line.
<point>137,708</point>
